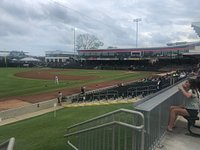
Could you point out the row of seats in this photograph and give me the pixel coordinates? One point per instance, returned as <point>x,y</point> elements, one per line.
<point>125,91</point>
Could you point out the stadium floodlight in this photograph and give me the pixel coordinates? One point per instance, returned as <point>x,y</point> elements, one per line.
<point>74,41</point>
<point>74,29</point>
<point>136,34</point>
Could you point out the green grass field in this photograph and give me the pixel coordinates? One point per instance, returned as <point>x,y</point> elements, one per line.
<point>46,132</point>
<point>16,86</point>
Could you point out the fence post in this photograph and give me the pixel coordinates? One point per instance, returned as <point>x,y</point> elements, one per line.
<point>142,139</point>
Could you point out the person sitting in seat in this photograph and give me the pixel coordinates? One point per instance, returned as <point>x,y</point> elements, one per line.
<point>190,89</point>
<point>82,90</point>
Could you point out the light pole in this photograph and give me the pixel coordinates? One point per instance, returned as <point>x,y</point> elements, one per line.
<point>5,60</point>
<point>74,41</point>
<point>136,34</point>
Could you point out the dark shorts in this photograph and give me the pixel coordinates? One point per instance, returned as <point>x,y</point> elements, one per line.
<point>192,112</point>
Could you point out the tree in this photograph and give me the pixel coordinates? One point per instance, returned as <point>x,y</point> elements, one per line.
<point>88,41</point>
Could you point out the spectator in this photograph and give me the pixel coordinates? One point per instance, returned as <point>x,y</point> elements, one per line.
<point>182,75</point>
<point>190,90</point>
<point>60,96</point>
<point>159,82</point>
<point>82,90</point>
<point>198,70</point>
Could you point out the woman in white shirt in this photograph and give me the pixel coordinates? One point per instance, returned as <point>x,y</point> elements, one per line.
<point>189,89</point>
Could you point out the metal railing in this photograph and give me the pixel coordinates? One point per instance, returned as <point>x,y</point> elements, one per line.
<point>117,130</point>
<point>8,145</point>
<point>124,129</point>
<point>156,112</point>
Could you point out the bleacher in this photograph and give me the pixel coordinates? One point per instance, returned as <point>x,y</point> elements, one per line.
<point>128,90</point>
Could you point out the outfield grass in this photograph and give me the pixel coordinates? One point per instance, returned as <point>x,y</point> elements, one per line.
<point>16,86</point>
<point>46,132</point>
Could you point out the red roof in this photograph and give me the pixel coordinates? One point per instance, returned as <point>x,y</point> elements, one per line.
<point>153,49</point>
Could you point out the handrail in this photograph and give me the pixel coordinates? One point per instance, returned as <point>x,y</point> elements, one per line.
<point>74,147</point>
<point>106,125</point>
<point>141,127</point>
<point>112,123</point>
<point>107,114</point>
<point>9,144</point>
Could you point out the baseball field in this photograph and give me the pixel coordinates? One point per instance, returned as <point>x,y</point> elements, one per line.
<point>20,86</point>
<point>28,85</point>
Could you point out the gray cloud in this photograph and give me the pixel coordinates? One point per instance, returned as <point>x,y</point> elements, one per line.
<point>37,26</point>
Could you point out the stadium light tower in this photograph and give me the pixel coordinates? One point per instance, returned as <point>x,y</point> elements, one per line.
<point>74,41</point>
<point>74,29</point>
<point>136,21</point>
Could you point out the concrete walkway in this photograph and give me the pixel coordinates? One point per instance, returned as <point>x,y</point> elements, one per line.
<point>179,140</point>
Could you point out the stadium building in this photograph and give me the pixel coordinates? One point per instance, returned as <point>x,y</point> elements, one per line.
<point>173,50</point>
<point>58,56</point>
<point>176,50</point>
<point>135,53</point>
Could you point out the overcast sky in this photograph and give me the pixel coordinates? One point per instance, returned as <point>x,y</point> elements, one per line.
<point>36,26</point>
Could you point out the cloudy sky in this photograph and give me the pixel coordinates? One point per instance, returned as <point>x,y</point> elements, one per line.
<point>36,26</point>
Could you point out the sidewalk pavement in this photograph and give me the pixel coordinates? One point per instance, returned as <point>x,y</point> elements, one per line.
<point>179,139</point>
